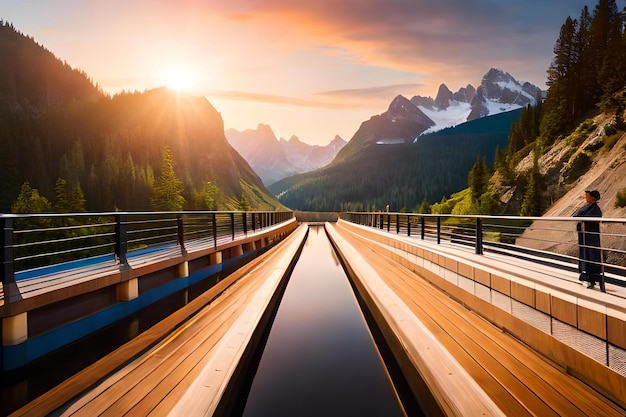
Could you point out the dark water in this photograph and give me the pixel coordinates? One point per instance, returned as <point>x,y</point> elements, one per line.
<point>320,359</point>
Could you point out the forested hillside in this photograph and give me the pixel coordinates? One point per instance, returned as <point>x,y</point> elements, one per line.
<point>399,175</point>
<point>66,146</point>
<point>552,147</point>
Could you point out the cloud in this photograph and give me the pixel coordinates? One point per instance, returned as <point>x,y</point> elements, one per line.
<point>269,99</point>
<point>377,93</point>
<point>433,37</point>
<point>355,97</point>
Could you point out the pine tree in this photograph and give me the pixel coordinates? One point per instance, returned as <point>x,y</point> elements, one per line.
<point>206,196</point>
<point>478,179</point>
<point>585,74</point>
<point>560,107</point>
<point>62,200</point>
<point>531,204</point>
<point>168,189</point>
<point>29,201</point>
<point>424,207</point>
<point>244,205</point>
<point>77,199</point>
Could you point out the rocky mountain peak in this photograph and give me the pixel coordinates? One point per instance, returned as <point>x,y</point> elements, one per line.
<point>264,130</point>
<point>465,94</point>
<point>294,139</point>
<point>444,95</point>
<point>402,108</point>
<point>499,91</point>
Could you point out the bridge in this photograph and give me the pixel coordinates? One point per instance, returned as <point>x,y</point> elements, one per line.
<point>478,315</point>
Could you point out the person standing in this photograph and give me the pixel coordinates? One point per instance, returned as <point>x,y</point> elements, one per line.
<point>589,259</point>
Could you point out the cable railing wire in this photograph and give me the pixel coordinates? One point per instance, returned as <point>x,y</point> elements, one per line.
<point>35,241</point>
<point>547,240</point>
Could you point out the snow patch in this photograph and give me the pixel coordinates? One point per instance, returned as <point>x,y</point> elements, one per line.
<point>455,114</point>
<point>390,141</point>
<point>515,87</point>
<point>495,107</point>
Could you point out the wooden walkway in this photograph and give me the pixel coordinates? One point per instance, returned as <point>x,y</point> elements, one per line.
<point>196,350</point>
<point>183,364</point>
<point>519,381</point>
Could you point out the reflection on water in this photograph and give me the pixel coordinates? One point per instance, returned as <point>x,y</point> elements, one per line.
<point>320,359</point>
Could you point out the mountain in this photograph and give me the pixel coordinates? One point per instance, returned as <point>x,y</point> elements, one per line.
<point>54,123</point>
<point>311,157</point>
<point>407,120</point>
<point>397,173</point>
<point>403,122</point>
<point>422,148</point>
<point>497,92</point>
<point>31,75</point>
<point>274,159</point>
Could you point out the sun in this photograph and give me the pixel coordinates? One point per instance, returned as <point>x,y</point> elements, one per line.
<point>178,78</point>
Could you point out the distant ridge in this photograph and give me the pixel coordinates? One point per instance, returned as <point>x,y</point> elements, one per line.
<point>274,159</point>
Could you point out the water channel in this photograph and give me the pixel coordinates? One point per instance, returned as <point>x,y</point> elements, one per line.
<point>320,358</point>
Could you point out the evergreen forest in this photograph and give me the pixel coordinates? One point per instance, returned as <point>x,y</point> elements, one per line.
<point>399,175</point>
<point>69,147</point>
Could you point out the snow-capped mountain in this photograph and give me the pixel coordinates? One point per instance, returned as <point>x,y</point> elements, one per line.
<point>498,92</point>
<point>274,159</point>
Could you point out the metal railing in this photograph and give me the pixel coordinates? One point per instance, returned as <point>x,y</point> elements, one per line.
<point>546,240</point>
<point>33,241</point>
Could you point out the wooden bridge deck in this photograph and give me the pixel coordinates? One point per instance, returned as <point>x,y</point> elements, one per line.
<point>517,379</point>
<point>182,365</point>
<point>199,344</point>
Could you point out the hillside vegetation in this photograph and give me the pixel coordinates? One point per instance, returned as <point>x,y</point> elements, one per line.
<point>398,175</point>
<point>67,146</point>
<point>573,140</point>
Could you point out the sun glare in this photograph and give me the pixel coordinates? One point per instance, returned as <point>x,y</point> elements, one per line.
<point>178,78</point>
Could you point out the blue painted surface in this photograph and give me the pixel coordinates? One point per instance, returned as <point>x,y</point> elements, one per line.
<point>65,266</point>
<point>83,263</point>
<point>19,355</point>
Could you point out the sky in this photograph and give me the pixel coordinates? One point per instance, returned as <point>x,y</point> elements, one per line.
<point>313,69</point>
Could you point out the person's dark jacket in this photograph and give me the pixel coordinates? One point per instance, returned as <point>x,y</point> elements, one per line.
<point>589,240</point>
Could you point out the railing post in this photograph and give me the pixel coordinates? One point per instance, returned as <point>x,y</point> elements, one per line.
<point>423,227</point>
<point>214,221</point>
<point>6,257</point>
<point>253,221</point>
<point>397,223</point>
<point>121,240</point>
<point>438,230</point>
<point>181,233</point>
<point>388,221</point>
<point>479,236</point>
<point>408,225</point>
<point>232,224</point>
<point>244,216</point>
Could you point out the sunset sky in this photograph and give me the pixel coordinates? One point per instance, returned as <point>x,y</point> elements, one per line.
<point>312,69</point>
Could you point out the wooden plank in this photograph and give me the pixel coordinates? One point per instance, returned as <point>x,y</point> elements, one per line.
<point>181,357</point>
<point>487,343</point>
<point>450,385</point>
<point>78,384</point>
<point>175,355</point>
